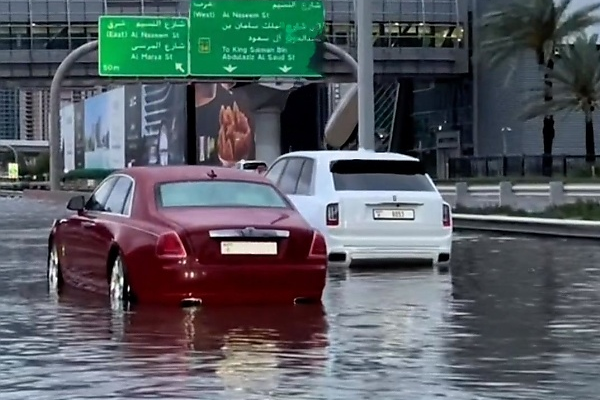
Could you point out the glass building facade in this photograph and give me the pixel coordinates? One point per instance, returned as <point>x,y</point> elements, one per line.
<point>9,114</point>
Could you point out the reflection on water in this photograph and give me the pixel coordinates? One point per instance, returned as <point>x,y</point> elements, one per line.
<point>517,319</point>
<point>233,350</point>
<point>524,319</point>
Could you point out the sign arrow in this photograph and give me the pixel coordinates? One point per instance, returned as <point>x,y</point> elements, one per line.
<point>179,67</point>
<point>285,69</point>
<point>229,68</point>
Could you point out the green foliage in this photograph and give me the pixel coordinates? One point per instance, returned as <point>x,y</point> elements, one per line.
<point>533,25</point>
<point>580,210</point>
<point>87,173</point>
<point>575,78</point>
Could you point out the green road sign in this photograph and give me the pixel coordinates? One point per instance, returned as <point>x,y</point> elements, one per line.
<point>238,38</point>
<point>143,46</point>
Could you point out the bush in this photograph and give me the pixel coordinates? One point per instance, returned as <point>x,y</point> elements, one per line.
<point>581,210</point>
<point>97,174</point>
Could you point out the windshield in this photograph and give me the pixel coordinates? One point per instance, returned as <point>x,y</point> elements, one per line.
<point>380,175</point>
<point>219,194</point>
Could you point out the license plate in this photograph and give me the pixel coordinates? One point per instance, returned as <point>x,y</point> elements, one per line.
<point>249,248</point>
<point>394,214</point>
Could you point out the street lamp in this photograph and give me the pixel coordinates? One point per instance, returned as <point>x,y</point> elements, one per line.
<point>504,129</point>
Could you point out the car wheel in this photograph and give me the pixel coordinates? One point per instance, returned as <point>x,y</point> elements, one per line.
<point>119,289</point>
<point>53,271</point>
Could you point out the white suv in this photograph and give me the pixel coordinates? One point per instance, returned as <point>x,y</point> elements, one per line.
<point>369,206</point>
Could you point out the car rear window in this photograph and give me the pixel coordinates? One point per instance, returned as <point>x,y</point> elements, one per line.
<point>380,175</point>
<point>254,165</point>
<point>219,194</point>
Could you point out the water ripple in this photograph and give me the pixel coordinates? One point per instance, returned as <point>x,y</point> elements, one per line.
<point>517,319</point>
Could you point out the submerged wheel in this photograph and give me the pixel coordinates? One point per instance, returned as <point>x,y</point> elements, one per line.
<point>119,290</point>
<point>53,271</point>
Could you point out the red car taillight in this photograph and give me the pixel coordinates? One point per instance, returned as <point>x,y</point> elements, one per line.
<point>446,216</point>
<point>318,247</point>
<point>169,246</point>
<point>332,214</point>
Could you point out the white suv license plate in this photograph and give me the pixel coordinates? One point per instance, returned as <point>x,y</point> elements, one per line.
<point>394,214</point>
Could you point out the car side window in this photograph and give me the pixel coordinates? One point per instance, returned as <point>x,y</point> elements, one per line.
<point>98,199</point>
<point>116,200</point>
<point>274,173</point>
<point>306,175</point>
<point>291,173</point>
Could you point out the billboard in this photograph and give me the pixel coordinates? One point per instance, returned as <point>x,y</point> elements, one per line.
<point>67,130</point>
<point>130,125</point>
<point>224,124</point>
<point>138,125</point>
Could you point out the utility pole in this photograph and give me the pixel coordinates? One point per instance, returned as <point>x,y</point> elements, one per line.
<point>363,15</point>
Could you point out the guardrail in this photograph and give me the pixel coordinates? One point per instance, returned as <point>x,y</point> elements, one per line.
<point>508,194</point>
<point>566,228</point>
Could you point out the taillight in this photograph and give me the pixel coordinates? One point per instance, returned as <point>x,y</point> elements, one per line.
<point>170,246</point>
<point>446,216</point>
<point>318,247</point>
<point>332,214</point>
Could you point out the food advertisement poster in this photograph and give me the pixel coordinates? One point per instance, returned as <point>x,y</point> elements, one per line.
<point>224,124</point>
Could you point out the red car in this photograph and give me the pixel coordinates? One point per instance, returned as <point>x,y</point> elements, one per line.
<point>187,235</point>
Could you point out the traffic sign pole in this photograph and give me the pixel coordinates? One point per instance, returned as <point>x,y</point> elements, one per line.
<point>366,95</point>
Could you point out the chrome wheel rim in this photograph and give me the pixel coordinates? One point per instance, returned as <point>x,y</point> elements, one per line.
<point>117,284</point>
<point>53,270</point>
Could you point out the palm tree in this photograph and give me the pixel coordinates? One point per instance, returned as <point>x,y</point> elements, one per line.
<point>576,79</point>
<point>537,26</point>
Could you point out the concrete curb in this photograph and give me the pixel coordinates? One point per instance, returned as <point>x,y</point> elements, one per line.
<point>11,193</point>
<point>61,197</point>
<point>566,228</point>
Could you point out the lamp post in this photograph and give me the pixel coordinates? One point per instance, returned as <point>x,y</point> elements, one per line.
<point>504,130</point>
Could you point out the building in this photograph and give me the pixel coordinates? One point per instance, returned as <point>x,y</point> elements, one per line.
<point>34,106</point>
<point>431,99</point>
<point>9,114</point>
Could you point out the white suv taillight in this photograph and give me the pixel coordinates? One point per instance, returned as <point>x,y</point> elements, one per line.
<point>446,216</point>
<point>332,214</point>
<point>169,246</point>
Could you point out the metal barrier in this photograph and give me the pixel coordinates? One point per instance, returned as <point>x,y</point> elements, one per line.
<point>528,226</point>
<point>507,194</point>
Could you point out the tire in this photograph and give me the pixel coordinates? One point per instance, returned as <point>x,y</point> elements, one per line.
<point>54,277</point>
<point>119,290</point>
<point>443,268</point>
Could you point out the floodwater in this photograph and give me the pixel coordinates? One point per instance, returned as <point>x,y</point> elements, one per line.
<point>517,319</point>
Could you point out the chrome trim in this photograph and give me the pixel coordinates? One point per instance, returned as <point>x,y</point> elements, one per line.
<point>249,232</point>
<point>395,204</point>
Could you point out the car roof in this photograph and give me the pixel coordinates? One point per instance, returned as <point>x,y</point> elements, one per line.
<point>174,173</point>
<point>331,155</point>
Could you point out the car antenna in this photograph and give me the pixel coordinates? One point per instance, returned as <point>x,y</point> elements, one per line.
<point>212,174</point>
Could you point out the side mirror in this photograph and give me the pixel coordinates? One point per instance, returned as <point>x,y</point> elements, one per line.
<point>76,203</point>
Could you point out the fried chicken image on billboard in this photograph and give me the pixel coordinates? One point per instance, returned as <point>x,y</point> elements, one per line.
<point>235,136</point>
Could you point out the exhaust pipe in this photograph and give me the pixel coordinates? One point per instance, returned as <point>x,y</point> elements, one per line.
<point>191,302</point>
<point>303,300</point>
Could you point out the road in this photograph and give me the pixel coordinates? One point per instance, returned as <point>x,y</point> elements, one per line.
<point>517,319</point>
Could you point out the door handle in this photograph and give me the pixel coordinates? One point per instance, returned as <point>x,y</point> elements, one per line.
<point>88,224</point>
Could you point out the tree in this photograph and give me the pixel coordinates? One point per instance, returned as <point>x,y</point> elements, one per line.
<point>536,26</point>
<point>576,80</point>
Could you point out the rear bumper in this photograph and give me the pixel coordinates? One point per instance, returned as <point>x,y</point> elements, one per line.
<point>350,250</point>
<point>229,284</point>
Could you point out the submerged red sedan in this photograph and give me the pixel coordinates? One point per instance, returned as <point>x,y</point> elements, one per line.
<point>187,235</point>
